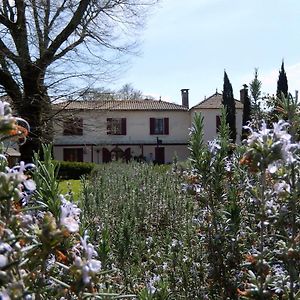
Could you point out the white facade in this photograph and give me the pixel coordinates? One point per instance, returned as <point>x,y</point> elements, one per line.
<point>97,144</point>
<point>210,109</point>
<point>209,122</point>
<point>95,139</point>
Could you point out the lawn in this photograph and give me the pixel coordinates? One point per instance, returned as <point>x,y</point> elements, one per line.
<point>71,186</point>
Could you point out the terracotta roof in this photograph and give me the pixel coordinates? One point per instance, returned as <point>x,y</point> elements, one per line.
<point>120,105</point>
<point>215,101</point>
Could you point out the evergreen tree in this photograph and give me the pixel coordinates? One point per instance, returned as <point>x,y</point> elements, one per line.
<point>255,91</point>
<point>282,83</point>
<point>281,95</point>
<point>246,112</point>
<point>229,104</point>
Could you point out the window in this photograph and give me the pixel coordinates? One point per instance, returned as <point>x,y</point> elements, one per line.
<point>159,125</point>
<point>218,123</point>
<point>73,154</point>
<point>73,126</point>
<point>116,126</point>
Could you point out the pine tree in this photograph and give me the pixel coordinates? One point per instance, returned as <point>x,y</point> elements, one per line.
<point>229,104</point>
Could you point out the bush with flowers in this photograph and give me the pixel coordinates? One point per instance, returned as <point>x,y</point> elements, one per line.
<point>248,198</point>
<point>44,251</point>
<point>226,227</point>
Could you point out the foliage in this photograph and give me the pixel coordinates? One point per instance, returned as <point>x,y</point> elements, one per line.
<point>282,83</point>
<point>246,113</point>
<point>144,220</point>
<point>275,103</point>
<point>43,254</point>
<point>44,45</point>
<point>256,99</point>
<point>229,104</point>
<point>73,169</point>
<point>248,211</point>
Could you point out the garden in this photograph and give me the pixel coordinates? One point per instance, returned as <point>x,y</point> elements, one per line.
<point>224,225</point>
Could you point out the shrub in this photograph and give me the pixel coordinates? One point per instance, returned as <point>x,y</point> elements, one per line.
<point>44,251</point>
<point>74,170</point>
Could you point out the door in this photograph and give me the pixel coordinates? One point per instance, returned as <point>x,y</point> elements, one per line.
<point>160,155</point>
<point>106,155</point>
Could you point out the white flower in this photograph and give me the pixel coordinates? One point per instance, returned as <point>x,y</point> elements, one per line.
<point>3,261</point>
<point>87,263</point>
<point>281,187</point>
<point>4,295</point>
<point>273,167</point>
<point>69,215</point>
<point>150,285</point>
<point>213,146</point>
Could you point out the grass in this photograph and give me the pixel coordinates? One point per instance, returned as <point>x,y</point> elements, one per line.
<point>70,186</point>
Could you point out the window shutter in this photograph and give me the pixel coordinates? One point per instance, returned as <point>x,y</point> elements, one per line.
<point>166,125</point>
<point>152,126</point>
<point>108,122</point>
<point>106,155</point>
<point>123,126</point>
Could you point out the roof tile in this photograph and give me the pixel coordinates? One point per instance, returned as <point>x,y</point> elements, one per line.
<point>120,105</point>
<point>215,101</point>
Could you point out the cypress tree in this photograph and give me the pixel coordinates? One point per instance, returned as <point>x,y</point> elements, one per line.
<point>282,83</point>
<point>281,93</point>
<point>246,112</point>
<point>229,104</point>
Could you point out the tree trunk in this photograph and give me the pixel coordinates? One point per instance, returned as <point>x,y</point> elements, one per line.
<point>35,108</point>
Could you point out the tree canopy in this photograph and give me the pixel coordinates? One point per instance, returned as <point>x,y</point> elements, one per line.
<point>46,43</point>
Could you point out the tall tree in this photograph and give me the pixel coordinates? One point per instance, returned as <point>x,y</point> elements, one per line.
<point>255,91</point>
<point>282,83</point>
<point>229,104</point>
<point>246,111</point>
<point>43,42</point>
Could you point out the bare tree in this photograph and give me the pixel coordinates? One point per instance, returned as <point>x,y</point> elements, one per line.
<point>43,43</point>
<point>128,92</point>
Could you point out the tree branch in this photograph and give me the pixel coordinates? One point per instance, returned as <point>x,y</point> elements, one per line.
<point>10,85</point>
<point>8,53</point>
<point>37,27</point>
<point>65,33</point>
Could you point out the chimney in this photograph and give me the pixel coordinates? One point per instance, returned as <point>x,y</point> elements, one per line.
<point>244,93</point>
<point>185,97</point>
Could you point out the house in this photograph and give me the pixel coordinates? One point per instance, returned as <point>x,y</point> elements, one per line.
<point>152,130</point>
<point>210,108</point>
<point>105,130</point>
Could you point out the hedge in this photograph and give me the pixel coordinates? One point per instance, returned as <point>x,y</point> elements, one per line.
<point>73,170</point>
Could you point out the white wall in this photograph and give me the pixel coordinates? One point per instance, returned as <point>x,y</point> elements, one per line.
<point>209,120</point>
<point>138,133</point>
<point>138,128</point>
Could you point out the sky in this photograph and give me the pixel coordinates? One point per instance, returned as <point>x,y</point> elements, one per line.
<point>188,45</point>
